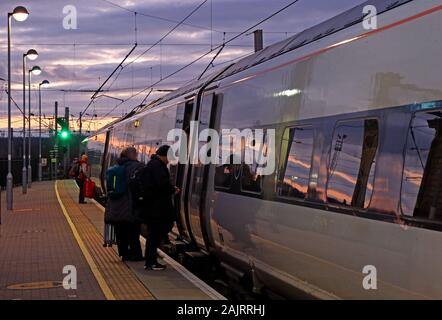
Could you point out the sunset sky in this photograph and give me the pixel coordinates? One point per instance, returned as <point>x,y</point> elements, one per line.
<point>79,60</point>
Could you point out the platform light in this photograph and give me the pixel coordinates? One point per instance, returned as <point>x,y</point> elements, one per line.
<point>32,54</point>
<point>44,84</point>
<point>20,13</point>
<point>36,70</point>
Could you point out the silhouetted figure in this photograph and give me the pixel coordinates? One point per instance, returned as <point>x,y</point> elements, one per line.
<point>83,174</point>
<point>120,211</point>
<point>158,212</point>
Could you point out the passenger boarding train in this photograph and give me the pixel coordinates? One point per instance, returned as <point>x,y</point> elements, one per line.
<point>358,179</point>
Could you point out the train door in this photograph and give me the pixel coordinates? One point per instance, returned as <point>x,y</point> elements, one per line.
<point>198,207</point>
<point>105,162</point>
<point>178,172</point>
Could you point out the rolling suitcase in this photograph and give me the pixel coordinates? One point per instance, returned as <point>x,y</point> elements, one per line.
<point>109,235</point>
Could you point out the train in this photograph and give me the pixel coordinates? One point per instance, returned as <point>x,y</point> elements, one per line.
<point>353,209</point>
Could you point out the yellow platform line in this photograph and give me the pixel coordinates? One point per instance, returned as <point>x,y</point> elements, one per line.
<point>98,276</point>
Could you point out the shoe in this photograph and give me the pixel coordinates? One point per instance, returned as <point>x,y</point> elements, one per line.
<point>155,267</point>
<point>82,202</point>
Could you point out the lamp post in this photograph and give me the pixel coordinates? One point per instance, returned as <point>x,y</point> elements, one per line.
<point>43,84</point>
<point>36,71</point>
<point>19,14</point>
<point>31,55</point>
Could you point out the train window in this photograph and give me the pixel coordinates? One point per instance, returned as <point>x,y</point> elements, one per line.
<point>251,180</point>
<point>229,169</point>
<point>421,194</point>
<point>225,173</point>
<point>297,144</point>
<point>352,163</point>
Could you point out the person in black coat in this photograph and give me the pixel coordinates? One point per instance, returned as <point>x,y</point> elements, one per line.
<point>119,212</point>
<point>158,212</point>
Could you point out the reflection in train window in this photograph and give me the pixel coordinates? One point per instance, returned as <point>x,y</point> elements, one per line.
<point>297,144</point>
<point>251,180</point>
<point>114,149</point>
<point>421,194</point>
<point>225,173</point>
<point>352,163</point>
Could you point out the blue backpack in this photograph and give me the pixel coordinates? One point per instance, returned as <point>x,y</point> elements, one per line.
<point>116,182</point>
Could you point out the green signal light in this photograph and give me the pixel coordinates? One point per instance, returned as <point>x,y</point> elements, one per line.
<point>64,134</point>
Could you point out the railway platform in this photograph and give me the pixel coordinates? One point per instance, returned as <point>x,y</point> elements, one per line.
<point>51,247</point>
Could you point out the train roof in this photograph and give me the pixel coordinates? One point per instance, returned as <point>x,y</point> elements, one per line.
<point>322,30</point>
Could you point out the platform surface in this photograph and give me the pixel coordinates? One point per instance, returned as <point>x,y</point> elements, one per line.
<point>48,230</point>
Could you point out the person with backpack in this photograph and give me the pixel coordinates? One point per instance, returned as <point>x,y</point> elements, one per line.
<point>81,171</point>
<point>73,169</point>
<point>158,211</point>
<point>119,207</point>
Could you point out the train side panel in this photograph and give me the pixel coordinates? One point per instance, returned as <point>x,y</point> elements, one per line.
<point>329,250</point>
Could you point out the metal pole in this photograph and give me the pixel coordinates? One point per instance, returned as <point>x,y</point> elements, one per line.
<point>79,137</point>
<point>258,39</point>
<point>23,171</point>
<point>39,134</point>
<point>9,178</point>
<point>66,143</point>
<point>55,118</point>
<point>29,133</point>
<point>55,171</point>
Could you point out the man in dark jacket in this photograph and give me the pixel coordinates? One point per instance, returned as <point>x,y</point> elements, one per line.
<point>159,211</point>
<point>119,212</point>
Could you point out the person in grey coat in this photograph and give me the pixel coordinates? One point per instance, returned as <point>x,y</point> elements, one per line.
<point>119,212</point>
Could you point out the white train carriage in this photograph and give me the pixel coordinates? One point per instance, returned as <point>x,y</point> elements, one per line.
<point>357,115</point>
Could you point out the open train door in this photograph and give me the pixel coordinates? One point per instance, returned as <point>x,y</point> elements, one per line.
<point>198,186</point>
<point>183,120</point>
<point>105,162</point>
<point>191,176</point>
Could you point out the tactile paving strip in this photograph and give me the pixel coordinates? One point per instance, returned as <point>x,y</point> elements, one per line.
<point>121,281</point>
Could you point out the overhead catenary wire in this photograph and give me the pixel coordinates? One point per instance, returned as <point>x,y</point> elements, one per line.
<point>21,111</point>
<point>204,55</point>
<point>211,62</point>
<point>135,28</point>
<point>144,52</point>
<point>16,105</point>
<point>186,23</point>
<point>112,73</point>
<point>169,32</point>
<point>107,44</point>
<point>157,17</point>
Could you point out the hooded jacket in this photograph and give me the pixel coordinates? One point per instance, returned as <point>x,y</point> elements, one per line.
<point>121,209</point>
